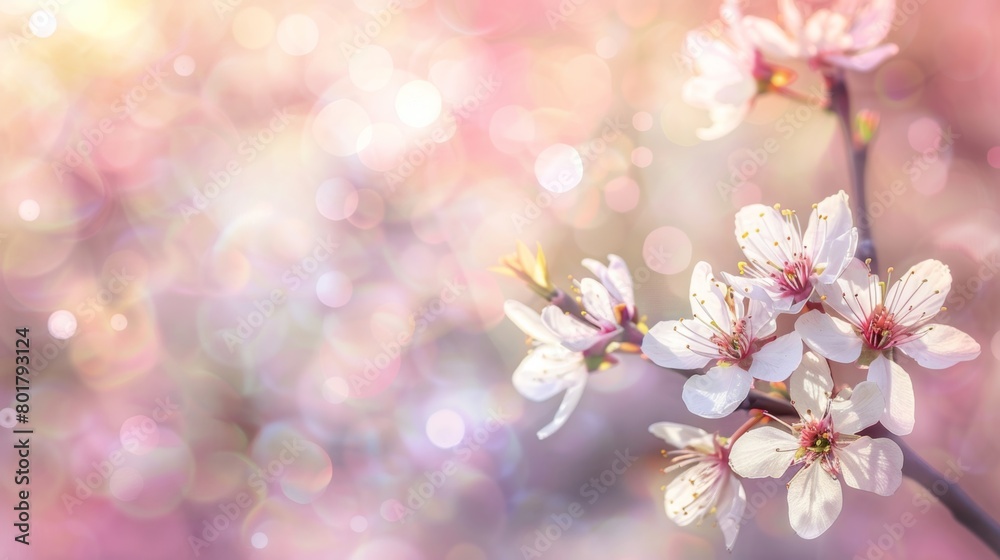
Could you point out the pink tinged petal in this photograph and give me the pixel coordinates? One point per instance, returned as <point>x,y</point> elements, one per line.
<point>854,294</point>
<point>941,346</point>
<point>828,336</point>
<point>826,31</point>
<point>919,293</point>
<point>897,390</point>
<point>566,407</point>
<point>873,23</point>
<point>708,297</point>
<point>676,435</point>
<point>810,386</point>
<point>770,38</point>
<point>866,61</point>
<point>620,278</point>
<point>836,256</point>
<point>814,501</point>
<point>776,360</point>
<point>573,333</point>
<point>763,452</point>
<point>597,300</point>
<point>872,465</point>
<point>791,16</point>
<point>529,321</point>
<point>717,393</point>
<point>729,512</point>
<point>678,344</point>
<point>547,371</point>
<point>863,409</point>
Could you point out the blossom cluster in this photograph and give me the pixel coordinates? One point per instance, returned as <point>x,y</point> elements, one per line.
<point>730,347</point>
<point>731,69</point>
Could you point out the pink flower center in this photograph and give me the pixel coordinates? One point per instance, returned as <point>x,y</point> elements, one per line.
<point>817,440</point>
<point>793,278</point>
<point>880,329</point>
<point>736,346</point>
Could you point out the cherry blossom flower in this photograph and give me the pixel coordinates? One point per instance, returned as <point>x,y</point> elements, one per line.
<point>549,368</point>
<point>616,278</point>
<point>594,328</point>
<point>707,485</point>
<point>846,35</point>
<point>730,331</point>
<point>729,73</point>
<point>824,444</point>
<point>787,263</point>
<point>880,318</point>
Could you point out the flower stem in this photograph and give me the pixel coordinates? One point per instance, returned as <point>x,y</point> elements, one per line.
<point>840,105</point>
<point>750,423</point>
<point>962,507</point>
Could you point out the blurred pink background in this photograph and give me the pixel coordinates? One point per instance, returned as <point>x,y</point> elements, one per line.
<point>251,242</point>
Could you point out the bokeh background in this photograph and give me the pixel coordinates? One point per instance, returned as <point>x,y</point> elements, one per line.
<point>251,242</point>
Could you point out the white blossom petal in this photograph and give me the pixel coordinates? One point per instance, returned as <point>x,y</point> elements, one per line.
<point>770,38</point>
<point>862,409</point>
<point>872,465</point>
<point>763,233</point>
<point>717,393</point>
<point>566,407</point>
<point>597,300</point>
<point>729,512</point>
<point>810,387</point>
<point>814,501</point>
<point>897,390</point>
<point>919,293</point>
<point>776,360</point>
<point>941,346</point>
<point>763,452</point>
<point>836,256</point>
<point>854,295</point>
<point>547,371</point>
<point>708,297</point>
<point>829,336</point>
<point>872,23</point>
<point>678,344</point>
<point>574,333</point>
<point>529,321</point>
<point>865,61</point>
<point>676,435</point>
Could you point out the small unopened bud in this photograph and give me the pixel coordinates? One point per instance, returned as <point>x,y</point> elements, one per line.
<point>867,125</point>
